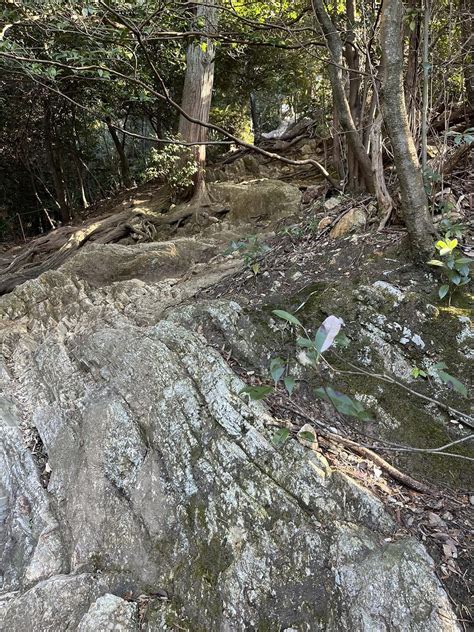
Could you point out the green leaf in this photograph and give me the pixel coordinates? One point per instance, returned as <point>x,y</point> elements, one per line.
<point>287,316</point>
<point>277,368</point>
<point>443,290</point>
<point>463,270</point>
<point>256,392</point>
<point>438,365</point>
<point>342,340</point>
<point>305,342</point>
<point>452,382</point>
<point>456,278</point>
<point>280,437</point>
<point>435,262</point>
<point>290,383</point>
<point>343,404</point>
<point>306,436</point>
<point>319,339</point>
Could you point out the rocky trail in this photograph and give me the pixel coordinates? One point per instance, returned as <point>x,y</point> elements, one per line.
<point>140,489</point>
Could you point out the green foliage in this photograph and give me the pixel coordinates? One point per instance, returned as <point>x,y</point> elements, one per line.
<point>174,164</point>
<point>326,336</point>
<point>252,251</point>
<point>417,372</point>
<point>343,404</point>
<point>451,230</point>
<point>438,370</point>
<point>431,179</point>
<point>306,436</point>
<point>287,316</point>
<point>454,267</point>
<point>280,437</point>
<point>462,138</point>
<point>256,392</point>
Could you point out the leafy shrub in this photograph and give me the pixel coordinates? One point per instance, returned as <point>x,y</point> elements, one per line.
<point>453,266</point>
<point>329,335</point>
<point>174,164</point>
<point>252,250</point>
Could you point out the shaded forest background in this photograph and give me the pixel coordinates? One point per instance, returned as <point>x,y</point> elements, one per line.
<point>94,95</point>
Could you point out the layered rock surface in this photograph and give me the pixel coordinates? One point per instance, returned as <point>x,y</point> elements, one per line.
<point>163,504</point>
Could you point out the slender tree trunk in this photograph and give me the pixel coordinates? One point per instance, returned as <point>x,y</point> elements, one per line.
<point>254,115</point>
<point>411,76</point>
<point>123,160</point>
<point>426,78</point>
<point>384,199</point>
<point>351,55</point>
<point>412,191</point>
<point>354,141</point>
<point>78,161</point>
<point>467,31</point>
<point>197,90</point>
<point>51,156</point>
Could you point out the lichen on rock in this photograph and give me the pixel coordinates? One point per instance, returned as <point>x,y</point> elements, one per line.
<point>164,480</point>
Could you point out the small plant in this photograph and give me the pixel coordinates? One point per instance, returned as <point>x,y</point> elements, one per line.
<point>175,164</point>
<point>451,231</point>
<point>462,138</point>
<point>327,336</point>
<point>417,372</point>
<point>252,250</point>
<point>454,267</point>
<point>439,370</point>
<point>430,178</point>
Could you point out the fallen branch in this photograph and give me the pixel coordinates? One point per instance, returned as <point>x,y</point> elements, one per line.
<point>330,437</point>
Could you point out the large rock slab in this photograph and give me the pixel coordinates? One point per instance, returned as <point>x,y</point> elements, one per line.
<point>266,199</point>
<point>166,490</point>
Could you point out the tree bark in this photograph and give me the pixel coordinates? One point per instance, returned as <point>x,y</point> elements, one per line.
<point>467,31</point>
<point>197,90</point>
<point>255,116</point>
<point>411,76</point>
<point>123,160</point>
<point>56,173</point>
<point>413,196</point>
<point>334,45</point>
<point>426,78</point>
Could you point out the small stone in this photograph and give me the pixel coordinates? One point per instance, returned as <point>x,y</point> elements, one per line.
<point>350,222</point>
<point>330,204</point>
<point>324,223</point>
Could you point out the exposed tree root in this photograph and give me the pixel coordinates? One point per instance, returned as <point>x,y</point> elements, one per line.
<point>50,251</point>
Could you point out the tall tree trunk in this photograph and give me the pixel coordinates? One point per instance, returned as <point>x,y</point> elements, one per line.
<point>351,55</point>
<point>467,31</point>
<point>197,90</point>
<point>334,45</point>
<point>412,191</point>
<point>78,161</point>
<point>56,173</point>
<point>426,79</point>
<point>255,116</point>
<point>123,160</point>
<point>411,76</point>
